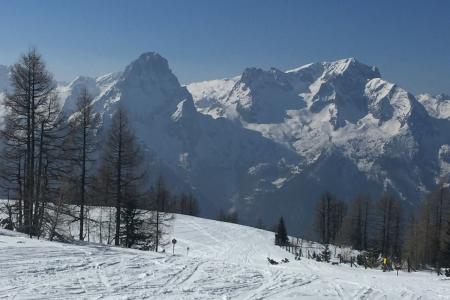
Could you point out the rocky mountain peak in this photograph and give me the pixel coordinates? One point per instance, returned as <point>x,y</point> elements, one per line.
<point>150,69</point>
<point>350,67</point>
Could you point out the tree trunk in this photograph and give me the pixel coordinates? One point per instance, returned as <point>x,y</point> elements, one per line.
<point>119,183</point>
<point>83,178</point>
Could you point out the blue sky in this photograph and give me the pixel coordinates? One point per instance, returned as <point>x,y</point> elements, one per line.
<point>408,40</point>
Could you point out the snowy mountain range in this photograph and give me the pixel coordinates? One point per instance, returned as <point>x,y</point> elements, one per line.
<point>353,131</point>
<point>269,142</point>
<point>212,157</point>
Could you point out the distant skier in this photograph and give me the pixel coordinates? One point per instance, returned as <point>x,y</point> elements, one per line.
<point>386,264</point>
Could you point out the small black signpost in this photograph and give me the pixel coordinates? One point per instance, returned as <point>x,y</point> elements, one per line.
<point>174,241</point>
<point>397,267</point>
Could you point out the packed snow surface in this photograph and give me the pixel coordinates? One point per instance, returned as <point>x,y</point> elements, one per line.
<point>225,261</point>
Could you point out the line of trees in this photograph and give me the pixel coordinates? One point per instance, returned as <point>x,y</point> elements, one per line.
<point>54,169</point>
<point>381,228</point>
<point>229,217</point>
<point>361,224</point>
<point>427,238</point>
<point>32,141</point>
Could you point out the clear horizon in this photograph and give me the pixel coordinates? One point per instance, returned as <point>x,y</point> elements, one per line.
<point>202,40</point>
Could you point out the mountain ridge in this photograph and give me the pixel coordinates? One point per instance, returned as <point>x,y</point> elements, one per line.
<point>268,142</point>
<point>377,126</point>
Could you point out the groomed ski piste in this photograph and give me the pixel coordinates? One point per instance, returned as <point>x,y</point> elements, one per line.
<point>224,261</point>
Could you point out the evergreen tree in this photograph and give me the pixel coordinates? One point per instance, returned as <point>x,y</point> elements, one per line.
<point>326,253</point>
<point>136,231</point>
<point>281,236</point>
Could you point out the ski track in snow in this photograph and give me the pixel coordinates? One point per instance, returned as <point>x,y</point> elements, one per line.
<point>225,261</point>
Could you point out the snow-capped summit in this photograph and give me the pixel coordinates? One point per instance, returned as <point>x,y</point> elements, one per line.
<point>148,88</point>
<point>263,96</point>
<point>348,68</point>
<point>149,70</point>
<point>351,68</point>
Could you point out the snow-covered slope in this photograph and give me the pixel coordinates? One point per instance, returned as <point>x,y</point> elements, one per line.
<point>225,261</point>
<point>95,87</point>
<point>209,95</point>
<point>437,106</point>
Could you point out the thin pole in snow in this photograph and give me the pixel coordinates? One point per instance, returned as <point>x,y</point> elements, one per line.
<point>174,241</point>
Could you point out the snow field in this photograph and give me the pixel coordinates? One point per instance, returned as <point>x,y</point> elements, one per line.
<point>225,261</point>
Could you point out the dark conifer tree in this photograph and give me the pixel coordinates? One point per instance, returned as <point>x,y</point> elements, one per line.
<point>326,253</point>
<point>281,236</point>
